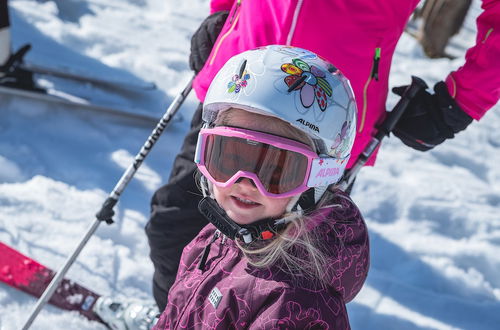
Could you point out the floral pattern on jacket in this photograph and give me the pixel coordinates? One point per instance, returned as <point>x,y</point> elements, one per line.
<point>231,294</point>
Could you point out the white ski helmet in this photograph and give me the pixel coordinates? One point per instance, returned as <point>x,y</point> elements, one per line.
<point>292,84</point>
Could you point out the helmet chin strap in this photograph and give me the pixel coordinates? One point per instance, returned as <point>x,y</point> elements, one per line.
<point>260,230</point>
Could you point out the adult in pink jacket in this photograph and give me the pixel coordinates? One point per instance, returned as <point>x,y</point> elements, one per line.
<point>360,38</point>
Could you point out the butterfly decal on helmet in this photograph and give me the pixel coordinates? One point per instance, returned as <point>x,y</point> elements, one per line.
<point>237,83</point>
<point>341,143</point>
<point>309,81</point>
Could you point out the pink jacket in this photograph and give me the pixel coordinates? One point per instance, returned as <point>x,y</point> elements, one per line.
<point>349,34</point>
<point>228,293</point>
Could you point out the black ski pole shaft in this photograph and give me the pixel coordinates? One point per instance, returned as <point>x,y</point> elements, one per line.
<point>384,129</point>
<point>106,211</point>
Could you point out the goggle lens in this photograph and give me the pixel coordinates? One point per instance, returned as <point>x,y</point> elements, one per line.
<point>279,170</point>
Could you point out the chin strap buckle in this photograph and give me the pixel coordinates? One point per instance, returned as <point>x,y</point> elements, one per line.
<point>246,235</point>
<point>263,229</point>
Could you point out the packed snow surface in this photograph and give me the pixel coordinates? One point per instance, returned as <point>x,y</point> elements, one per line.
<point>434,217</point>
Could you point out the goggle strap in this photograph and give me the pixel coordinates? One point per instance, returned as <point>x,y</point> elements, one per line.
<point>325,171</point>
<point>197,153</point>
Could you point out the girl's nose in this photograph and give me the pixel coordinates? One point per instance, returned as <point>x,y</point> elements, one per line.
<point>246,182</point>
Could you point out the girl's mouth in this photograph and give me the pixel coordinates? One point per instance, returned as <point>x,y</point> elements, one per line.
<point>244,203</point>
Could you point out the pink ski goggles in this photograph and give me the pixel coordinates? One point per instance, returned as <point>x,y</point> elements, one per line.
<point>279,167</point>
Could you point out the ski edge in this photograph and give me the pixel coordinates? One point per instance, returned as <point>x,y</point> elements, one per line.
<point>133,114</point>
<point>68,74</point>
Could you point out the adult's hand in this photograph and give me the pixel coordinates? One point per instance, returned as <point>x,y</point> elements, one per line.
<point>204,38</point>
<point>430,119</point>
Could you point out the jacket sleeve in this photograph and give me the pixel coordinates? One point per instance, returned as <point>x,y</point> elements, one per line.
<point>476,85</point>
<point>303,309</point>
<point>219,5</point>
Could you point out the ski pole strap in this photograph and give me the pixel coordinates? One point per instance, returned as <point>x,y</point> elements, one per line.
<point>106,212</point>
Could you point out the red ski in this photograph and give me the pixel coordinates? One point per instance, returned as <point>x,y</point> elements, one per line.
<point>26,274</point>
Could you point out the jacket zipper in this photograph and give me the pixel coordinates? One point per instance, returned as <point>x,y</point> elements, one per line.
<point>194,290</point>
<point>294,23</point>
<point>238,4</point>
<point>235,16</point>
<point>206,252</point>
<point>487,35</point>
<point>373,75</point>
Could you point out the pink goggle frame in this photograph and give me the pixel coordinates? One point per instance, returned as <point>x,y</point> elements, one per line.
<point>279,167</point>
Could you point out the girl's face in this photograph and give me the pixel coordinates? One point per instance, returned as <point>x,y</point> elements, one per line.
<point>242,201</point>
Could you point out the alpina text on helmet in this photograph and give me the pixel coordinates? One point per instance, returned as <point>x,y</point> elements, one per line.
<point>308,124</point>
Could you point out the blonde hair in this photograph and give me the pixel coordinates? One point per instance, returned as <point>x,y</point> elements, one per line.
<point>298,250</point>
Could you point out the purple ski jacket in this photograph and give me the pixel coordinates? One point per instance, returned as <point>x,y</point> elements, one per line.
<point>231,294</point>
<point>349,34</point>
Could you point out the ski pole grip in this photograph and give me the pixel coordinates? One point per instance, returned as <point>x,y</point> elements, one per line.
<point>393,117</point>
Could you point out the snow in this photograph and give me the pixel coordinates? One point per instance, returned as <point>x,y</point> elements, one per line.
<point>433,217</point>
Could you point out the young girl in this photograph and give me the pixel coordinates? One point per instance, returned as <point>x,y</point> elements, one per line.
<point>282,250</point>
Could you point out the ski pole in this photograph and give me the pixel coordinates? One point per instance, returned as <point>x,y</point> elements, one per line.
<point>106,212</point>
<point>384,129</point>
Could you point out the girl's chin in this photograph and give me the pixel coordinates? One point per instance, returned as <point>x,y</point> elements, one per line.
<point>241,219</point>
<point>242,213</point>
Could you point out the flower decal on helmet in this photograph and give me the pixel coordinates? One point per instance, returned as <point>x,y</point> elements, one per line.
<point>237,82</point>
<point>311,82</point>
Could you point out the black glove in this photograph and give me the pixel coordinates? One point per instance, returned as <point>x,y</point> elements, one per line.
<point>204,38</point>
<point>430,118</point>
